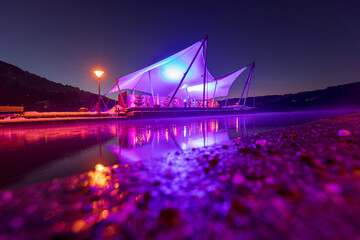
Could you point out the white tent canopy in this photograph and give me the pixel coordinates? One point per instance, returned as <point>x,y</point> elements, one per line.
<point>215,88</point>
<point>163,77</point>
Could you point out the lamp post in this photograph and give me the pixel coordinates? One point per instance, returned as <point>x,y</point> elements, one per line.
<point>99,73</point>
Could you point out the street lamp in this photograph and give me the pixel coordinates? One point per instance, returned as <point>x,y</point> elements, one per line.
<point>99,73</point>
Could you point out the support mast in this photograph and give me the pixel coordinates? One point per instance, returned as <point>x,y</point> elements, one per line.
<point>214,92</point>
<point>205,48</point>
<point>187,71</point>
<point>151,86</point>
<point>253,87</point>
<point>246,83</point>
<point>122,99</point>
<point>248,86</point>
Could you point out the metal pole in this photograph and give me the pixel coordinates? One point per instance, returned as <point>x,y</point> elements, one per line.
<point>248,86</point>
<point>214,93</point>
<point>99,98</point>
<point>187,71</point>
<point>122,98</point>
<point>152,90</point>
<point>207,94</point>
<point>253,87</point>
<point>246,83</point>
<point>105,104</point>
<point>206,43</point>
<point>242,93</point>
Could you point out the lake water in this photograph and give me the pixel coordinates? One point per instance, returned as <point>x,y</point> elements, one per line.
<point>39,153</point>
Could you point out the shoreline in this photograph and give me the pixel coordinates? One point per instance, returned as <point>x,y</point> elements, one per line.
<point>127,114</point>
<point>295,182</point>
<point>34,121</point>
<point>134,114</point>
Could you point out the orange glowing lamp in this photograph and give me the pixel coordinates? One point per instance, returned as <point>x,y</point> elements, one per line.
<point>99,167</point>
<point>98,73</point>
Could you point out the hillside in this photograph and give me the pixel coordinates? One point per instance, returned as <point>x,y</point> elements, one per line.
<point>21,88</point>
<point>347,95</point>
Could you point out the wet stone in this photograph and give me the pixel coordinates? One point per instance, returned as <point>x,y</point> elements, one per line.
<point>170,217</point>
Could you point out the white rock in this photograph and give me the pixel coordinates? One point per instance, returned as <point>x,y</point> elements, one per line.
<point>261,142</point>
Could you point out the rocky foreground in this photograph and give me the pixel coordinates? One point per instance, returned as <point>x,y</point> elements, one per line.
<point>293,183</point>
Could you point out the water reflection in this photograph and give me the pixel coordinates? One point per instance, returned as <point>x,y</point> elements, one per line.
<point>40,153</point>
<point>154,139</point>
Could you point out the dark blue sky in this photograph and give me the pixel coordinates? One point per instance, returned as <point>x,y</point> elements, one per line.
<point>297,45</point>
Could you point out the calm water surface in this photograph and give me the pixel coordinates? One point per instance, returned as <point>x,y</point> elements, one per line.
<point>43,152</point>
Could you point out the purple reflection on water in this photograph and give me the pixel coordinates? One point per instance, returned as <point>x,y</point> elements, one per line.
<point>43,152</point>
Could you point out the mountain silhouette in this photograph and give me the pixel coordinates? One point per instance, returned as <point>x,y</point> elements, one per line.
<point>35,93</point>
<point>341,96</point>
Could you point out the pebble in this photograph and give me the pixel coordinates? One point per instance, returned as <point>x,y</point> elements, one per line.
<point>333,188</point>
<point>261,142</point>
<point>7,196</point>
<point>16,223</point>
<point>238,179</point>
<point>31,209</point>
<point>344,133</point>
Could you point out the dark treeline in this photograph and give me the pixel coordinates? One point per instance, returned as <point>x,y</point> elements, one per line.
<point>21,88</point>
<point>347,95</point>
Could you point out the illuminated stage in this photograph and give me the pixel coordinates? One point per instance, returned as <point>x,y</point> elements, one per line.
<point>134,113</point>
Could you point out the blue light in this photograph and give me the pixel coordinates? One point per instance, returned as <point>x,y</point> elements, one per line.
<point>174,71</point>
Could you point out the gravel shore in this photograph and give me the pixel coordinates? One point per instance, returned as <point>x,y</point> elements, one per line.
<point>299,182</point>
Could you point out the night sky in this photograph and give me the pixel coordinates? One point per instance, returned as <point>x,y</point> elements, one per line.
<point>297,45</point>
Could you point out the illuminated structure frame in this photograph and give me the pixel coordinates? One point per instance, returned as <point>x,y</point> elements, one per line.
<point>187,73</point>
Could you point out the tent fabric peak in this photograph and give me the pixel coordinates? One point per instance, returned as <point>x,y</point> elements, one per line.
<point>163,77</point>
